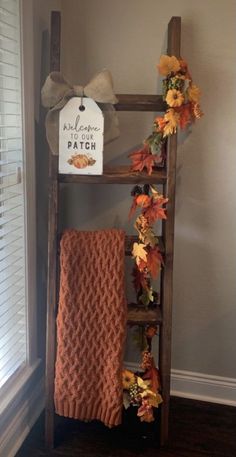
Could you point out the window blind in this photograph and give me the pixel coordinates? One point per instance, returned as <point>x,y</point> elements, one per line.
<point>13,312</point>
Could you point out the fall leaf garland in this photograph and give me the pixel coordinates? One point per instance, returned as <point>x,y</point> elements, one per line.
<point>143,389</point>
<point>148,258</point>
<point>182,99</point>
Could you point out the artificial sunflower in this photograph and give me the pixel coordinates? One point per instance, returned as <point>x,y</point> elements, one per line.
<point>194,93</point>
<point>168,65</point>
<point>174,98</point>
<point>128,379</point>
<point>172,122</point>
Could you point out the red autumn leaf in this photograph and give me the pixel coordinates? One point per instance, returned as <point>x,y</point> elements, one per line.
<point>154,261</point>
<point>155,210</point>
<point>154,376</point>
<point>142,265</point>
<point>185,112</point>
<point>142,159</point>
<point>133,207</point>
<point>139,280</point>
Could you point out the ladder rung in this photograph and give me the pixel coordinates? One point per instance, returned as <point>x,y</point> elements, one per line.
<point>129,240</point>
<point>118,175</point>
<point>139,316</point>
<point>135,102</point>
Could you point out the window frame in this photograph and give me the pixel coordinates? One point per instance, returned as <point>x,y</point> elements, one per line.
<point>21,378</point>
<point>28,109</point>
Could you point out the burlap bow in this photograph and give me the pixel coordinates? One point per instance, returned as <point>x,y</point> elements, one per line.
<point>57,91</point>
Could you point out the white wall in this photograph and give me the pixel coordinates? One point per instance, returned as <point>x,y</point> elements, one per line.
<point>128,37</point>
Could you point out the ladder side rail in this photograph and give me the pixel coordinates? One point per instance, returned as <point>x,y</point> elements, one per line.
<point>174,42</point>
<point>52,253</point>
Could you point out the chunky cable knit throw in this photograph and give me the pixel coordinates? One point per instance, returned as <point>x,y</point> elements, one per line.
<point>91,326</point>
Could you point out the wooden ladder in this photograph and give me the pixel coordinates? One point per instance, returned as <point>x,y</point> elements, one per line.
<point>122,175</point>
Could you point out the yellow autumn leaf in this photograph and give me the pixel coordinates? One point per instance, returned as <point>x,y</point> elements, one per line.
<point>172,121</point>
<point>155,193</point>
<point>147,393</point>
<point>194,93</point>
<point>143,384</point>
<point>139,251</point>
<point>153,190</point>
<point>155,400</point>
<point>168,64</point>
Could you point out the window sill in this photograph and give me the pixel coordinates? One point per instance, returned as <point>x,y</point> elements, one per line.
<point>20,408</point>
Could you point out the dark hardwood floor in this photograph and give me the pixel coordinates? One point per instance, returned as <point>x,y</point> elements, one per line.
<point>197,429</point>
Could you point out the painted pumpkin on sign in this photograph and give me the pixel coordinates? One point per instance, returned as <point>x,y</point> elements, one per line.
<point>81,160</point>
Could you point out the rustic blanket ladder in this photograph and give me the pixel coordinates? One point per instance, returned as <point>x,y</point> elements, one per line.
<point>121,175</point>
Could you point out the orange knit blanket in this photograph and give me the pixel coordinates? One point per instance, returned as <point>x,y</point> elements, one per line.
<point>91,326</point>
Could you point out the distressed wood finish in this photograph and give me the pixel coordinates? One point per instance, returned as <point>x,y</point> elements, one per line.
<point>55,43</point>
<point>118,175</point>
<point>134,102</point>
<point>52,255</point>
<point>174,38</point>
<point>139,316</point>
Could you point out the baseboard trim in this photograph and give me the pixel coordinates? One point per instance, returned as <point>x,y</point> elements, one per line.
<point>199,386</point>
<point>25,416</point>
<point>204,387</point>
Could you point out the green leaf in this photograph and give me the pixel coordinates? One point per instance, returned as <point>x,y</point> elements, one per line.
<point>149,237</point>
<point>147,296</point>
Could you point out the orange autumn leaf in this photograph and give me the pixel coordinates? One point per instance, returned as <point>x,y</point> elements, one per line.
<point>154,376</point>
<point>155,210</point>
<point>143,200</point>
<point>142,159</point>
<point>151,331</point>
<point>160,123</point>
<point>154,261</point>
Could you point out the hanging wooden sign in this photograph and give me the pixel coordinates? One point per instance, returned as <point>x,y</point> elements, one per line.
<point>81,127</point>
